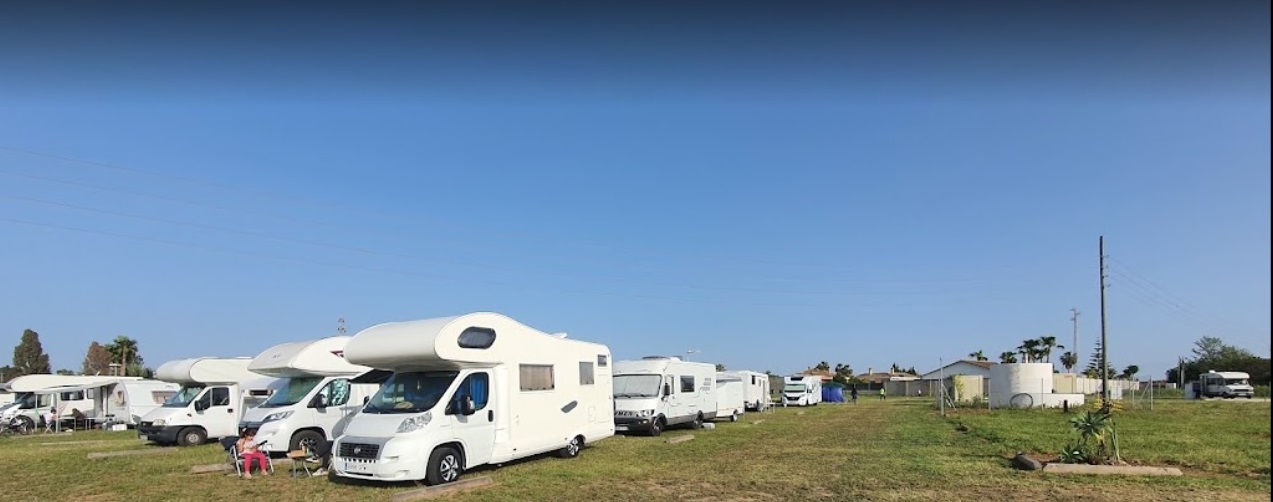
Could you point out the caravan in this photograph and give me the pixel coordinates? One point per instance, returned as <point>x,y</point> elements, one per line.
<point>213,396</point>
<point>802,390</point>
<point>658,392</point>
<point>313,399</point>
<point>36,394</point>
<point>755,388</point>
<point>729,397</point>
<point>459,392</point>
<point>124,402</point>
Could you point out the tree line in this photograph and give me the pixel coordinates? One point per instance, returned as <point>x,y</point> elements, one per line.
<point>1210,353</point>
<point>1039,350</point>
<point>29,358</point>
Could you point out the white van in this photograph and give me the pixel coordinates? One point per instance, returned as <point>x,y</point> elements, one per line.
<point>729,397</point>
<point>802,390</point>
<point>1226,384</point>
<point>463,391</point>
<point>658,392</point>
<point>214,394</point>
<point>755,388</point>
<point>313,399</point>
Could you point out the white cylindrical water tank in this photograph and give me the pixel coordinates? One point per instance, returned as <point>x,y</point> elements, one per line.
<point>1020,384</point>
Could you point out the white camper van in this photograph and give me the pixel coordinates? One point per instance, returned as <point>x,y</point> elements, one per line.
<point>1226,384</point>
<point>463,391</point>
<point>801,390</point>
<point>35,394</point>
<point>126,401</point>
<point>755,388</point>
<point>657,392</point>
<point>214,394</point>
<point>729,397</point>
<point>313,399</point>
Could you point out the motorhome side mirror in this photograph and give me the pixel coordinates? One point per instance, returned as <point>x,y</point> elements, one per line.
<point>466,406</point>
<point>320,401</point>
<point>365,400</point>
<point>200,405</point>
<point>667,390</point>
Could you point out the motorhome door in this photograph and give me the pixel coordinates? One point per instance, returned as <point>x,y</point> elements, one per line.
<point>473,424</point>
<point>218,417</point>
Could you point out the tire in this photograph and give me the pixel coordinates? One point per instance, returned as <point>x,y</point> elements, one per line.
<point>698,422</point>
<point>191,436</point>
<point>733,417</point>
<point>27,425</point>
<point>656,428</point>
<point>308,438</point>
<point>572,449</point>
<point>445,466</point>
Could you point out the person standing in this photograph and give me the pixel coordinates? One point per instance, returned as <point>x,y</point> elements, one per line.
<point>853,394</point>
<point>882,393</point>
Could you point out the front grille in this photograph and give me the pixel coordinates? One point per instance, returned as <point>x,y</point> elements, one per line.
<point>359,450</point>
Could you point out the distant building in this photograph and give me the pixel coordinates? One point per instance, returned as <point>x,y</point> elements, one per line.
<point>963,367</point>
<point>826,375</point>
<point>874,378</point>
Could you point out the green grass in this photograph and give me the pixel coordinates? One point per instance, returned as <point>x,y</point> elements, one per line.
<point>895,450</point>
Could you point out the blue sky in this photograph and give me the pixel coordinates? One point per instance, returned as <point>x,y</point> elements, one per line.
<point>769,186</point>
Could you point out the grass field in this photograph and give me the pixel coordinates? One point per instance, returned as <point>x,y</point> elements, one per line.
<point>894,450</point>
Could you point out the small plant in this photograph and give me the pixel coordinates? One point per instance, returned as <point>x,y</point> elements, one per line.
<point>1097,439</point>
<point>1075,453</point>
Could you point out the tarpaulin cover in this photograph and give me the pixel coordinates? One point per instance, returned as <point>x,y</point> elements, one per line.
<point>832,395</point>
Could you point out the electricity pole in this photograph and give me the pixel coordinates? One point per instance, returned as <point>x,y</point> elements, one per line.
<point>1104,341</point>
<point>1075,319</point>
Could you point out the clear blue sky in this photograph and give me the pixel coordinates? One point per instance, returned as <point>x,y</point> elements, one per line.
<point>771,185</point>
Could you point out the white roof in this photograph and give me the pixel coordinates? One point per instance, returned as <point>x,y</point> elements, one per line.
<point>206,370</point>
<point>434,343</point>
<point>321,357</point>
<point>1229,374</point>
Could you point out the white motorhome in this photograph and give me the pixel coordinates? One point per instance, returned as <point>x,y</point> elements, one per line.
<point>657,392</point>
<point>126,401</point>
<point>802,390</point>
<point>1226,384</point>
<point>729,397</point>
<point>36,394</point>
<point>463,391</point>
<point>313,399</point>
<point>755,388</point>
<point>214,394</point>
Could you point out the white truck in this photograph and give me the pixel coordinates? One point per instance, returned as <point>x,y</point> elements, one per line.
<point>214,394</point>
<point>459,392</point>
<point>802,390</point>
<point>313,399</point>
<point>36,394</point>
<point>657,392</point>
<point>1226,384</point>
<point>755,388</point>
<point>729,397</point>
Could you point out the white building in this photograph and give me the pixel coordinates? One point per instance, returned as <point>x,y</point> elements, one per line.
<point>964,367</point>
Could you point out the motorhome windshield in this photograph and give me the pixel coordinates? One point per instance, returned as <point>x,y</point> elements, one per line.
<point>636,386</point>
<point>1236,381</point>
<point>410,392</point>
<point>184,396</point>
<point>291,391</point>
<point>25,400</point>
<point>794,387</point>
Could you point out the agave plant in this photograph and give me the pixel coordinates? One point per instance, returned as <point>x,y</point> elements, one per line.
<point>1075,454</point>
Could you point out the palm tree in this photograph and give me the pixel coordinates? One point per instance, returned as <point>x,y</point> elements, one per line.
<point>1048,345</point>
<point>978,356</point>
<point>1131,371</point>
<point>1031,349</point>
<point>1069,360</point>
<point>1008,357</point>
<point>124,350</point>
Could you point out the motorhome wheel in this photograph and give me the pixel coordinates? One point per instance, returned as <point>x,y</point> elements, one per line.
<point>444,466</point>
<point>698,422</point>
<point>191,436</point>
<point>309,440</point>
<point>656,428</point>
<point>571,450</point>
<point>733,417</point>
<point>25,425</point>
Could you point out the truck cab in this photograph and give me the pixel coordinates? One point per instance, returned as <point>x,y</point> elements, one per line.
<point>302,412</point>
<point>196,413</point>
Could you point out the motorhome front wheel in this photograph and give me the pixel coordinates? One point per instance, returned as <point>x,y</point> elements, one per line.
<point>444,466</point>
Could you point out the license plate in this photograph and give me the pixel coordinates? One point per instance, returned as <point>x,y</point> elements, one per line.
<point>143,438</point>
<point>357,467</point>
<point>620,427</point>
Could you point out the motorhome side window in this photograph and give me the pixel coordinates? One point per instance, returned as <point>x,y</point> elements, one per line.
<point>476,386</point>
<point>477,338</point>
<point>602,360</point>
<point>586,376</point>
<point>536,377</point>
<point>687,383</point>
<point>72,396</point>
<point>336,392</point>
<point>220,396</point>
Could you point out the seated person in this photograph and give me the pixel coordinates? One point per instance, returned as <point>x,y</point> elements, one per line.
<point>248,448</point>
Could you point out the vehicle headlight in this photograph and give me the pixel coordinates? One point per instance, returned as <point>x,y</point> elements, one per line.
<point>276,416</point>
<point>415,423</point>
<point>647,413</point>
<point>159,422</point>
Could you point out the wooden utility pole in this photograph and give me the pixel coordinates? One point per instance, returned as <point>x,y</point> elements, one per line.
<point>1104,340</point>
<point>1075,319</point>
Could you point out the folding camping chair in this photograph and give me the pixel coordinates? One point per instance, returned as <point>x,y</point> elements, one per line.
<point>231,446</point>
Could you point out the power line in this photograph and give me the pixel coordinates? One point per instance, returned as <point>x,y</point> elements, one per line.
<point>1168,303</point>
<point>1178,301</point>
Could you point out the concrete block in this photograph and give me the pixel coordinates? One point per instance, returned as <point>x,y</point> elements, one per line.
<point>680,439</point>
<point>121,453</point>
<point>439,490</point>
<point>1124,470</point>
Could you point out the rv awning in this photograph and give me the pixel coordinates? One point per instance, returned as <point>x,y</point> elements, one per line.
<point>74,388</point>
